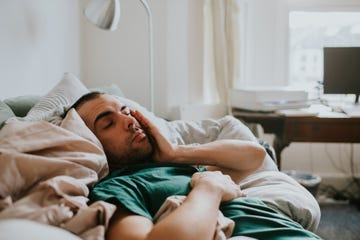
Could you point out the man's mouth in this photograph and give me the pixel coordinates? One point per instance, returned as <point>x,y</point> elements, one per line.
<point>139,135</point>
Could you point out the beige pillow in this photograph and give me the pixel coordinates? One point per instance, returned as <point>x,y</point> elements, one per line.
<point>53,105</point>
<point>5,113</point>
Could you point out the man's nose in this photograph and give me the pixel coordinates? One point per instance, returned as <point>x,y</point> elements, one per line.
<point>128,121</point>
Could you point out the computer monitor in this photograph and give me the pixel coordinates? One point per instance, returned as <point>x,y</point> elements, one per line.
<point>342,71</point>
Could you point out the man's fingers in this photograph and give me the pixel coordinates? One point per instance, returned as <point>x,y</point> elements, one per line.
<point>222,182</point>
<point>144,122</point>
<point>241,193</point>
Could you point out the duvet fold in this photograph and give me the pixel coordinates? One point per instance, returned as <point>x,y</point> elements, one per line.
<point>46,172</point>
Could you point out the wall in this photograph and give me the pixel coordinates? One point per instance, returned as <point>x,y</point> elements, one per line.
<point>39,40</point>
<point>121,56</point>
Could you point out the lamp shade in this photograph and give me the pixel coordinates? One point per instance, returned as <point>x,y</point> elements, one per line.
<point>105,14</point>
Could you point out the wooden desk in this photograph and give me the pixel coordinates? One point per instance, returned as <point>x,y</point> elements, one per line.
<point>289,129</point>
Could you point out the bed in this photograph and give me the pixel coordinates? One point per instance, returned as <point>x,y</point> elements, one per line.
<point>48,164</point>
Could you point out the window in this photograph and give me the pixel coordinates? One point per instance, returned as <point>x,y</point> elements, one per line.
<point>309,32</point>
<point>282,40</point>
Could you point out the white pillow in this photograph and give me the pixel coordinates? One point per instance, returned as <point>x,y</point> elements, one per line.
<point>26,229</point>
<point>53,105</point>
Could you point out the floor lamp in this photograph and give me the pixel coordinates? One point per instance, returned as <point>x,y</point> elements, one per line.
<point>105,14</point>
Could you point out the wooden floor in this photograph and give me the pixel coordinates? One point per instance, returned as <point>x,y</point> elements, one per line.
<point>339,221</point>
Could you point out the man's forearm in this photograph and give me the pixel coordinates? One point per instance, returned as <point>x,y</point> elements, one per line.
<point>195,219</point>
<point>231,154</point>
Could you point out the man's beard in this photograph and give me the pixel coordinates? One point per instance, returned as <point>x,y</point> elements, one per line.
<point>129,158</point>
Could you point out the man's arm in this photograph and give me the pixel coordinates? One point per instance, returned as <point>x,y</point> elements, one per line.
<point>196,217</point>
<point>238,158</point>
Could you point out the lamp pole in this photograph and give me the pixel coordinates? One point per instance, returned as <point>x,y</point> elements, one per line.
<point>105,14</point>
<point>151,52</point>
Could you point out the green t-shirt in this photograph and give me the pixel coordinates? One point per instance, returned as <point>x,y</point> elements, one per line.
<point>143,188</point>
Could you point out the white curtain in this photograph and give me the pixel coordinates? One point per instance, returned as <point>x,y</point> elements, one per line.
<point>222,48</point>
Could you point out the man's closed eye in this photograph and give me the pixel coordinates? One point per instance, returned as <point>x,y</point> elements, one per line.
<point>107,123</point>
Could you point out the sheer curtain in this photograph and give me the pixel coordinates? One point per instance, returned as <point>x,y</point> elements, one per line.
<point>222,49</point>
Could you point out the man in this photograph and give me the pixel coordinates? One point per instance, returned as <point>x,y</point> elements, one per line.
<point>146,168</point>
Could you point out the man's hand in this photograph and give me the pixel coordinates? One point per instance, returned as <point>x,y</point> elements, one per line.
<point>237,158</point>
<point>164,151</point>
<point>217,182</point>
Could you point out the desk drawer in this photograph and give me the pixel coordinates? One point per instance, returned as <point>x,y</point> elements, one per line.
<point>321,130</point>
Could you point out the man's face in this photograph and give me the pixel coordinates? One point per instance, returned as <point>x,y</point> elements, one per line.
<point>119,132</point>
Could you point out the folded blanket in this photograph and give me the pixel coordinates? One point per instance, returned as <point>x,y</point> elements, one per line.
<point>224,225</point>
<point>46,172</point>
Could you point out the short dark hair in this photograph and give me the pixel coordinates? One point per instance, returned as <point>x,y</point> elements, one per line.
<point>83,99</point>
